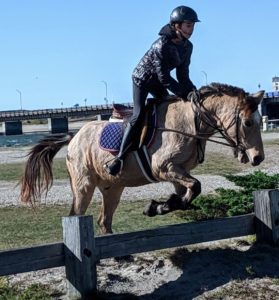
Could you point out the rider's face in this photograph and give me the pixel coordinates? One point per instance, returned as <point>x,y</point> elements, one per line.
<point>187,29</point>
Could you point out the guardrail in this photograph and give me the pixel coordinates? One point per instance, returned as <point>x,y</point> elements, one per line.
<point>80,250</point>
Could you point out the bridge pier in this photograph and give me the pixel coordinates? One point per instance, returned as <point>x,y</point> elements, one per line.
<point>102,117</point>
<point>265,123</point>
<point>58,125</point>
<point>12,127</point>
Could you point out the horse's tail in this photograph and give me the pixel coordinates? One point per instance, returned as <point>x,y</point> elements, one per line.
<point>38,177</point>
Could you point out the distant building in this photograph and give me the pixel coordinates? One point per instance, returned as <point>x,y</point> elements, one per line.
<point>270,104</point>
<point>275,83</point>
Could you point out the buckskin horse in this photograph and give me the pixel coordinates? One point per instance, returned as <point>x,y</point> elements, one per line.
<point>182,129</point>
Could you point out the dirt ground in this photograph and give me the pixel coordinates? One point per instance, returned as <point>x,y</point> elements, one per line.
<point>230,269</point>
<point>234,269</point>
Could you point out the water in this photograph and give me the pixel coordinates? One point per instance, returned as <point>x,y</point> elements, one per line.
<point>21,140</point>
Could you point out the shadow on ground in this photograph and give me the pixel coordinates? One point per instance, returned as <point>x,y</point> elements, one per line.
<point>207,269</point>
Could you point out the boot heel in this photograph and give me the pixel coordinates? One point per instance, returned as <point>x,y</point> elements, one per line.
<point>115,167</point>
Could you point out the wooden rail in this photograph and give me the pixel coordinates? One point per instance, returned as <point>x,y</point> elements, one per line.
<point>80,250</point>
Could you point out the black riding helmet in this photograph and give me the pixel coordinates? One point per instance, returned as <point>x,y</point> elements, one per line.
<point>183,13</point>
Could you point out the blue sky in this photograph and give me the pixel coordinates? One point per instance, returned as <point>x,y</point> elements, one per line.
<point>58,52</point>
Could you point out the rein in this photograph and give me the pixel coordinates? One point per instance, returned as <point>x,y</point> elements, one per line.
<point>203,116</point>
<point>199,137</point>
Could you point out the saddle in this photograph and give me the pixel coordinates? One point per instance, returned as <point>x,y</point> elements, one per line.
<point>112,133</point>
<point>121,113</point>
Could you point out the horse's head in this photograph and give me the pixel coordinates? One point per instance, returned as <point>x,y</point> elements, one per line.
<point>249,145</point>
<point>237,119</point>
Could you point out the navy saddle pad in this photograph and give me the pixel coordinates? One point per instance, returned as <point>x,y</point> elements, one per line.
<point>112,133</point>
<point>111,137</point>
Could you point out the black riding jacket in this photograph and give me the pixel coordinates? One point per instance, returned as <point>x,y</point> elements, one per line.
<point>163,56</point>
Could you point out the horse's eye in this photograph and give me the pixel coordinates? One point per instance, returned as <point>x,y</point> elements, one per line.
<point>248,123</point>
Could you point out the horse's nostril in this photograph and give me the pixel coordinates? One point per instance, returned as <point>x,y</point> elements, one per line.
<point>257,160</point>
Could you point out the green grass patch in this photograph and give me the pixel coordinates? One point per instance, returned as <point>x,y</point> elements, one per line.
<point>228,202</point>
<point>218,164</point>
<point>14,171</point>
<point>22,226</point>
<point>32,292</point>
<point>272,142</point>
<point>214,164</point>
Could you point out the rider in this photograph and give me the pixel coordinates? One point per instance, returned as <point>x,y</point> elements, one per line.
<point>172,50</point>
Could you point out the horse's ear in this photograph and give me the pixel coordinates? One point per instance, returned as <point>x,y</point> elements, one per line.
<point>257,97</point>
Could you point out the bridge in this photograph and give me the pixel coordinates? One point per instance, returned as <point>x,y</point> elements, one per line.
<point>57,117</point>
<point>81,111</point>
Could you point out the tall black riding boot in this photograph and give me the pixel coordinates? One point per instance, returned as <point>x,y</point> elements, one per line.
<point>116,165</point>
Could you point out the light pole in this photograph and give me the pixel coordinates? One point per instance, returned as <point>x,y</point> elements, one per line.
<point>106,86</point>
<point>205,75</point>
<point>85,100</point>
<point>20,98</point>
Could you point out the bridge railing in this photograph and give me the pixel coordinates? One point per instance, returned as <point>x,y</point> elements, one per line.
<point>80,250</point>
<point>48,113</point>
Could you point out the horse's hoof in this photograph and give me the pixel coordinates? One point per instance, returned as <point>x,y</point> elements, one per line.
<point>125,258</point>
<point>150,209</point>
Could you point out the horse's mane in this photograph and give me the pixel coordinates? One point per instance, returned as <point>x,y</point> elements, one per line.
<point>219,89</point>
<point>214,89</point>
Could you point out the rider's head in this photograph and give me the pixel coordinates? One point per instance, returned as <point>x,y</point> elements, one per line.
<point>183,19</point>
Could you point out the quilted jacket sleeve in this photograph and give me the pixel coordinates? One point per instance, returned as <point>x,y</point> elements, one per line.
<point>182,72</point>
<point>162,55</point>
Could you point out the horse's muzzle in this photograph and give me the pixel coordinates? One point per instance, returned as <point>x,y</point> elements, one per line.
<point>257,160</point>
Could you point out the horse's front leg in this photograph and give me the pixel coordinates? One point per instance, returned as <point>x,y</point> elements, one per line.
<point>187,188</point>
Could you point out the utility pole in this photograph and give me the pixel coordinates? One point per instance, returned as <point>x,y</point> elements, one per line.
<point>106,86</point>
<point>20,98</point>
<point>205,75</point>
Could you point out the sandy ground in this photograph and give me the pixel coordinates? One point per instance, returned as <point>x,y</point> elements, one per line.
<point>229,269</point>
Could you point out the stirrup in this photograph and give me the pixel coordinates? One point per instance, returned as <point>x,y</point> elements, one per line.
<point>115,167</point>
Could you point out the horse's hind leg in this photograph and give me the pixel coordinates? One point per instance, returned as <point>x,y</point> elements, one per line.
<point>81,199</point>
<point>111,198</point>
<point>187,188</point>
<point>83,188</point>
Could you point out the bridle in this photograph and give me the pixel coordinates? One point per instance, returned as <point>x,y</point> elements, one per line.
<point>202,115</point>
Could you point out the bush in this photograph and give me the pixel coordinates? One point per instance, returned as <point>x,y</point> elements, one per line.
<point>228,202</point>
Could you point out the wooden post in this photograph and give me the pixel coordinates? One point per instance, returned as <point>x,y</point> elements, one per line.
<point>80,260</point>
<point>267,215</point>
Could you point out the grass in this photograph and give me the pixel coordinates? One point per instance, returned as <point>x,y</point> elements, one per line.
<point>212,165</point>
<point>32,292</point>
<point>274,142</point>
<point>22,226</point>
<point>13,171</point>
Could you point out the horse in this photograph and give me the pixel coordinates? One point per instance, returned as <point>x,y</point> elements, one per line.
<point>182,130</point>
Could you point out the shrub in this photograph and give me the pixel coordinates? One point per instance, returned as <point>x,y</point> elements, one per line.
<point>228,202</point>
